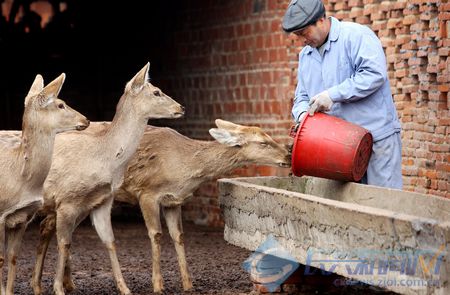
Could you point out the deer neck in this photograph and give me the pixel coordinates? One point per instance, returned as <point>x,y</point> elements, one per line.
<point>219,159</point>
<point>126,131</point>
<point>35,152</point>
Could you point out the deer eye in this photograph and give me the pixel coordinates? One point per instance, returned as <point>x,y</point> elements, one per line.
<point>156,93</point>
<point>61,106</point>
<point>264,144</point>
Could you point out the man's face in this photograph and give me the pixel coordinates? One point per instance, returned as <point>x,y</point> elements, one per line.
<point>313,35</point>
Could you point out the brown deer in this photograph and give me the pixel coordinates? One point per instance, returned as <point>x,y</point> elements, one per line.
<point>87,168</point>
<point>25,162</point>
<point>168,167</point>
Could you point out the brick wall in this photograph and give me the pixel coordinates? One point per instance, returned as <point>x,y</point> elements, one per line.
<point>230,59</point>
<point>416,41</point>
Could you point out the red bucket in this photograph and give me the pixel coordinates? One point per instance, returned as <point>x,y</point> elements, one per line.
<point>329,147</point>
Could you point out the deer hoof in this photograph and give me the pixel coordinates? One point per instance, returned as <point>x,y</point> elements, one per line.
<point>125,291</point>
<point>187,286</point>
<point>58,289</point>
<point>69,286</point>
<point>158,286</point>
<point>36,290</point>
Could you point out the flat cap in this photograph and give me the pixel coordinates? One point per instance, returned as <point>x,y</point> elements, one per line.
<point>301,13</point>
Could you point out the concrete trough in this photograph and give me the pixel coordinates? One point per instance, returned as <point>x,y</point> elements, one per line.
<point>388,238</point>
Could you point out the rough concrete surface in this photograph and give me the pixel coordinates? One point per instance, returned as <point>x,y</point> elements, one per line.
<point>347,222</point>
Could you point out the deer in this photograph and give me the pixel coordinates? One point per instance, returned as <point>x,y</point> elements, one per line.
<point>87,168</point>
<point>168,167</point>
<point>25,162</point>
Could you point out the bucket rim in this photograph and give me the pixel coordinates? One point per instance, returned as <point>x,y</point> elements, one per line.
<point>294,146</point>
<point>356,176</point>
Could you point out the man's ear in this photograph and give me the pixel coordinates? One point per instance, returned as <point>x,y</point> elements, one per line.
<point>226,137</point>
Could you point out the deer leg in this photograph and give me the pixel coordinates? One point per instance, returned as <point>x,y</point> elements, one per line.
<point>68,283</point>
<point>2,253</point>
<point>46,233</point>
<point>173,221</point>
<point>15,236</point>
<point>101,218</point>
<point>66,220</point>
<point>150,211</point>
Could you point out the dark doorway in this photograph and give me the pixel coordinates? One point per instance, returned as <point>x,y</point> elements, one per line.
<point>100,45</point>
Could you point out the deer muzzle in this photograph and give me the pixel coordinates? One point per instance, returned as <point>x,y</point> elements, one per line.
<point>82,125</point>
<point>179,113</point>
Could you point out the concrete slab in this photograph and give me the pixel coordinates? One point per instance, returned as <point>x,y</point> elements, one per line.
<point>389,238</point>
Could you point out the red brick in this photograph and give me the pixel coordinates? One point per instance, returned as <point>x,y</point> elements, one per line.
<point>352,3</point>
<point>411,171</point>
<point>442,78</point>
<point>445,148</point>
<point>443,87</point>
<point>443,185</point>
<point>342,14</point>
<point>394,23</point>
<point>444,121</point>
<point>378,15</point>
<point>443,167</point>
<point>401,73</point>
<point>410,19</point>
<point>444,16</point>
<point>399,4</point>
<point>402,39</point>
<point>387,41</point>
<point>379,25</point>
<point>436,96</point>
<point>417,61</point>
<point>341,5</point>
<point>363,20</point>
<point>356,12</point>
<point>410,46</point>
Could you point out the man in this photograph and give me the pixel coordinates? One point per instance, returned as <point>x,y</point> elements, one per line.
<point>342,71</point>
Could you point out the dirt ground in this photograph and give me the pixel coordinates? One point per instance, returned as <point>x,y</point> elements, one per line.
<point>216,266</point>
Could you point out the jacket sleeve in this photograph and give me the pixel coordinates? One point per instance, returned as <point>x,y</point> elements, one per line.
<point>301,99</point>
<point>370,69</point>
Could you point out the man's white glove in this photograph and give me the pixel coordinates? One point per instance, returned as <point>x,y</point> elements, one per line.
<point>320,103</point>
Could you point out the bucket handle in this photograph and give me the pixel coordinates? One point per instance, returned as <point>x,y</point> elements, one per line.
<point>293,130</point>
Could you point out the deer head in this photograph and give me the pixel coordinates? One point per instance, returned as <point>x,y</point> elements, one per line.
<point>45,111</point>
<point>150,101</point>
<point>254,144</point>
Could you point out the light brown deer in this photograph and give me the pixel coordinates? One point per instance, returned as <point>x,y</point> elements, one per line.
<point>25,162</point>
<point>87,168</point>
<point>168,167</point>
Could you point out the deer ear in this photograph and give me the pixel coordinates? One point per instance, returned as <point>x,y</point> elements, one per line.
<point>226,137</point>
<point>51,91</point>
<point>36,88</point>
<point>139,79</point>
<point>38,85</point>
<point>222,124</point>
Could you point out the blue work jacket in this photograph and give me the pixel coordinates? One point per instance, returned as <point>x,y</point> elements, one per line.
<point>353,70</point>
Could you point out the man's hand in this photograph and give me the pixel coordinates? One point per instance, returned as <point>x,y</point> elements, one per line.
<point>320,103</point>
